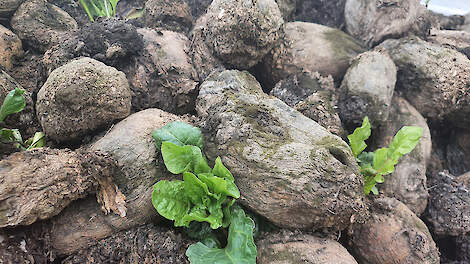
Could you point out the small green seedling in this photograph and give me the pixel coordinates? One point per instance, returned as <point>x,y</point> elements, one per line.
<point>14,103</point>
<point>99,8</point>
<point>204,195</point>
<point>375,165</point>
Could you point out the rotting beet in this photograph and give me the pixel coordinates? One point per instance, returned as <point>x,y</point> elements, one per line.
<point>288,168</point>
<point>130,143</point>
<point>38,184</point>
<point>163,76</point>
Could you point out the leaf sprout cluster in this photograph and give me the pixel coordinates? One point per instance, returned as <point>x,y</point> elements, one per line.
<point>375,165</point>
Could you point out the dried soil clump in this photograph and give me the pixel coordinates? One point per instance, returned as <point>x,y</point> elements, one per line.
<point>110,41</point>
<point>448,211</point>
<point>163,75</point>
<point>144,244</point>
<point>326,12</point>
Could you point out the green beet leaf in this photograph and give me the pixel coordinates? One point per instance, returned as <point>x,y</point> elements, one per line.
<point>205,194</point>
<point>200,213</point>
<point>359,136</point>
<point>178,133</point>
<point>240,249</point>
<point>382,163</point>
<point>169,198</point>
<point>369,184</point>
<point>114,5</point>
<point>195,189</point>
<point>365,158</point>
<point>99,8</point>
<point>375,190</point>
<point>385,159</point>
<point>221,171</point>
<point>191,200</point>
<point>204,233</point>
<point>13,103</point>
<point>227,209</point>
<point>212,213</point>
<point>37,141</point>
<point>219,185</point>
<point>200,165</point>
<point>179,159</point>
<point>87,9</point>
<point>405,141</point>
<point>10,136</point>
<point>211,241</point>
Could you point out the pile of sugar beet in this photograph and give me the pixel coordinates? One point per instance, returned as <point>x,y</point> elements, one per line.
<point>275,87</point>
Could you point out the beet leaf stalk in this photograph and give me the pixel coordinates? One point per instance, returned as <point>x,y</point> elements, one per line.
<point>99,8</point>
